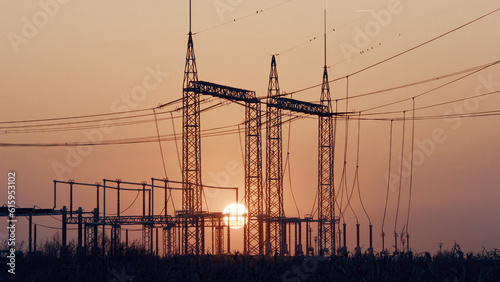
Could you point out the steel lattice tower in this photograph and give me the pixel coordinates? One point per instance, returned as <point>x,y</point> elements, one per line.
<point>326,212</point>
<point>274,166</point>
<point>326,204</point>
<point>191,153</point>
<point>253,178</point>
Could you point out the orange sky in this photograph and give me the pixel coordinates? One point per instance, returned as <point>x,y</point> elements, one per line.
<point>68,58</point>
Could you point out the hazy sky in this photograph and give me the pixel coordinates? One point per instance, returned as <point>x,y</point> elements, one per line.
<point>72,58</point>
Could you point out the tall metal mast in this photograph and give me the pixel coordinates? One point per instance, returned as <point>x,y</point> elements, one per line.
<point>326,205</point>
<point>274,166</point>
<point>253,233</point>
<point>191,154</point>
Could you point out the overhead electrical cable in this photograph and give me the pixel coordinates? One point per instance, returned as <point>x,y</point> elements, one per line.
<point>150,139</point>
<point>424,81</point>
<point>433,89</point>
<point>356,177</point>
<point>400,175</point>
<point>434,105</point>
<point>344,173</point>
<point>176,146</point>
<point>433,117</point>
<point>161,148</point>
<point>411,166</point>
<point>123,211</point>
<point>287,163</point>
<point>241,18</point>
<point>40,125</point>
<point>401,53</point>
<point>389,177</point>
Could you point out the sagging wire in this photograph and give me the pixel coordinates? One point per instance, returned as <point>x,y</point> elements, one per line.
<point>388,186</point>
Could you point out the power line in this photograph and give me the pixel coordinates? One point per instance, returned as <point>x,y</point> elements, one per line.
<point>435,105</point>
<point>44,129</point>
<point>400,53</point>
<point>433,117</point>
<point>172,137</point>
<point>435,88</point>
<point>94,123</point>
<point>161,148</point>
<point>400,174</point>
<point>133,202</point>
<point>88,116</point>
<point>481,67</point>
<point>411,166</point>
<point>357,170</point>
<point>75,117</point>
<point>50,227</point>
<point>330,30</point>
<point>176,146</point>
<point>388,185</point>
<point>39,128</point>
<point>212,132</point>
<point>243,17</point>
<point>287,165</point>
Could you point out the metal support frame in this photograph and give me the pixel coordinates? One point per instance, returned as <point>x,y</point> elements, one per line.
<point>169,239</point>
<point>253,155</point>
<point>30,240</point>
<point>34,240</point>
<point>64,226</point>
<point>116,237</point>
<point>80,228</point>
<point>147,234</point>
<point>221,91</point>
<point>326,204</point>
<point>219,237</point>
<point>299,106</point>
<point>274,166</point>
<point>91,240</point>
<point>191,155</point>
<point>253,179</point>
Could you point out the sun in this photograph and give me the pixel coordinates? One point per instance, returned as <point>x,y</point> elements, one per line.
<point>235,215</point>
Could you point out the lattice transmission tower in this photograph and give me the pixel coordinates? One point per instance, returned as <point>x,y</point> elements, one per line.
<point>191,154</point>
<point>253,237</point>
<point>326,204</point>
<point>274,166</point>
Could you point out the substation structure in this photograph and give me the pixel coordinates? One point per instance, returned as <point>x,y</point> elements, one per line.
<point>101,233</point>
<point>91,225</point>
<point>268,218</point>
<point>267,231</point>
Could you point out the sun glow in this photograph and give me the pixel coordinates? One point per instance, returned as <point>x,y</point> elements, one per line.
<point>234,215</point>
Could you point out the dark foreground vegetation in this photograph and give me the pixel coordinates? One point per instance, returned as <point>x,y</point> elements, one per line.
<point>50,264</point>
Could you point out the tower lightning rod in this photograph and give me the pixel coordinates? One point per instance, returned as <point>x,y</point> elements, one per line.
<point>324,37</point>
<point>189,16</point>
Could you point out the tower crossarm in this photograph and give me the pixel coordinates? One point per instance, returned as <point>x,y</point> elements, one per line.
<point>303,107</point>
<point>299,106</point>
<point>221,91</point>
